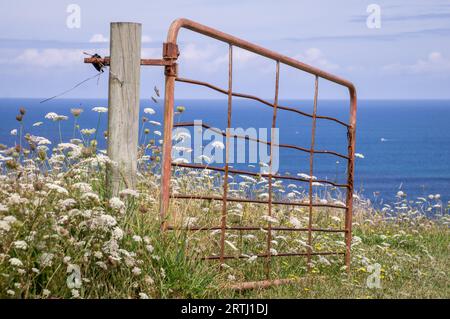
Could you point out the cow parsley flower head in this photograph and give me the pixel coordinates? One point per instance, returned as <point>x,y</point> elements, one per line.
<point>46,259</point>
<point>16,262</point>
<point>100,109</point>
<point>117,233</point>
<point>74,278</point>
<point>116,204</point>
<point>55,117</point>
<point>136,271</point>
<point>129,192</point>
<point>149,110</point>
<point>57,188</point>
<point>20,244</point>
<point>143,295</point>
<point>218,144</point>
<point>75,293</point>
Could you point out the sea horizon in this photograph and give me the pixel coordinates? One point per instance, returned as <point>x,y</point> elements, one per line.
<point>402,141</point>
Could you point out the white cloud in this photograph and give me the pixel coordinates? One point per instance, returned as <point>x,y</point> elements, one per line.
<point>98,38</point>
<point>435,63</point>
<point>316,58</point>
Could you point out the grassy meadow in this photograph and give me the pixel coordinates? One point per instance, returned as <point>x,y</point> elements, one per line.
<point>62,236</point>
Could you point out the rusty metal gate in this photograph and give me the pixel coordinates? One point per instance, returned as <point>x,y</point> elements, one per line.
<point>169,61</point>
<point>170,55</point>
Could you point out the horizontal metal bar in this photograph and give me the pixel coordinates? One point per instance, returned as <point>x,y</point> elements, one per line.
<point>106,60</point>
<point>176,25</point>
<point>247,285</point>
<point>303,149</point>
<point>236,171</point>
<point>256,201</point>
<point>325,253</point>
<point>250,228</point>
<point>252,97</point>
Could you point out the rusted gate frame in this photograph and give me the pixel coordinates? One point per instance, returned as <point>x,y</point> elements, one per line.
<point>171,77</point>
<point>170,55</point>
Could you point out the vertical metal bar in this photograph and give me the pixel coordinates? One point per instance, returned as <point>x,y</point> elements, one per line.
<point>272,134</point>
<point>350,171</point>
<point>166,169</point>
<point>311,169</point>
<point>227,153</point>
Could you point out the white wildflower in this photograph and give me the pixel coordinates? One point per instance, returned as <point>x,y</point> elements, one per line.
<point>55,117</point>
<point>88,131</point>
<point>137,238</point>
<point>231,278</point>
<point>74,278</point>
<point>229,243</point>
<point>136,271</point>
<point>155,123</point>
<point>16,262</point>
<point>117,233</point>
<point>129,192</point>
<point>180,160</point>
<point>401,194</point>
<point>75,293</point>
<point>149,110</point>
<point>20,244</point>
<point>46,259</point>
<point>336,219</point>
<point>204,158</point>
<point>306,176</point>
<point>38,123</point>
<point>116,204</point>
<point>3,208</point>
<point>270,219</point>
<point>252,259</point>
<point>143,295</point>
<point>68,203</point>
<point>218,144</point>
<point>91,196</point>
<point>102,265</point>
<point>339,203</point>
<point>324,261</point>
<point>82,187</point>
<point>13,132</point>
<point>190,221</point>
<point>57,188</point>
<point>181,136</point>
<point>359,155</point>
<point>295,222</point>
<point>100,109</point>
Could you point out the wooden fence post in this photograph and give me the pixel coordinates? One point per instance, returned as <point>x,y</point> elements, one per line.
<point>123,100</point>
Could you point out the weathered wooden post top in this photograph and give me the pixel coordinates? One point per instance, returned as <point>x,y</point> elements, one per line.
<point>123,99</point>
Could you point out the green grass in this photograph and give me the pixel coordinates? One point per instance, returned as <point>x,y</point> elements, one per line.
<point>61,236</point>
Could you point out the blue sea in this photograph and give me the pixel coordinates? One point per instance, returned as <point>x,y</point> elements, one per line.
<point>405,143</point>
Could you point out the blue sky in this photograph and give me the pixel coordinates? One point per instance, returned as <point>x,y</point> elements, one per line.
<point>408,57</point>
